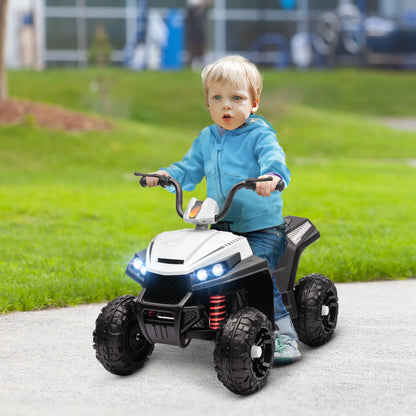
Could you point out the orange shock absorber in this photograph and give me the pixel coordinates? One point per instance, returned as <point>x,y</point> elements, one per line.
<point>217,310</point>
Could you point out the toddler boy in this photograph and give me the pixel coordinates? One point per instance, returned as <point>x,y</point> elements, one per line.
<point>241,145</point>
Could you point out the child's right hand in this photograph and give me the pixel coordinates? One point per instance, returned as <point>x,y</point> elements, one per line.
<point>152,181</point>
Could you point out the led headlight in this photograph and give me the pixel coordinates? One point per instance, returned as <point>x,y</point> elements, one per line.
<point>217,270</point>
<point>202,275</point>
<point>139,266</point>
<point>137,263</point>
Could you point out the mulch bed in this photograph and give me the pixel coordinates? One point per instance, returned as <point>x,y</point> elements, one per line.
<point>13,111</point>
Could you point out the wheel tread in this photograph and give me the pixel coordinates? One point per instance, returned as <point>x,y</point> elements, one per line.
<point>233,362</point>
<point>109,340</point>
<point>309,292</point>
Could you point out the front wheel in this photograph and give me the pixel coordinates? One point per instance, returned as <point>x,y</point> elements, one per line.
<point>119,344</point>
<point>244,351</point>
<point>317,309</point>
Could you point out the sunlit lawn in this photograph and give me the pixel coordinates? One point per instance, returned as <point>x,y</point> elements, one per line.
<point>72,213</point>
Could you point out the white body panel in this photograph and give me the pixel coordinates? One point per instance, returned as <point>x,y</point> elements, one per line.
<point>195,248</point>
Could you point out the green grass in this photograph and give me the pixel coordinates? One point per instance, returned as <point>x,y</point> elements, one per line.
<point>72,214</point>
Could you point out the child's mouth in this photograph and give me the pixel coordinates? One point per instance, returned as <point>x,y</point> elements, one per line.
<point>226,116</point>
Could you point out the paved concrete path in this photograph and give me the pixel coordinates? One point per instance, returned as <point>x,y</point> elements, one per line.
<point>405,124</point>
<point>48,367</point>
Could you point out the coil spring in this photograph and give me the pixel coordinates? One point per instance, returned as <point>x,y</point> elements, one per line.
<point>217,310</point>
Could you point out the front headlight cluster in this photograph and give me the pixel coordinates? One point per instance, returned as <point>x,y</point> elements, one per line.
<point>138,271</point>
<point>139,266</point>
<point>216,270</point>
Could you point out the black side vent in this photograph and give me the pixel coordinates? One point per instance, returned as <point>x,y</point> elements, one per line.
<point>170,261</point>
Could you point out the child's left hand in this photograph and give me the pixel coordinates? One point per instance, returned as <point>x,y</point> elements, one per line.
<point>266,188</point>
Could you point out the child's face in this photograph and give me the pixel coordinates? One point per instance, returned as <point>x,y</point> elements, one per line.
<point>229,105</point>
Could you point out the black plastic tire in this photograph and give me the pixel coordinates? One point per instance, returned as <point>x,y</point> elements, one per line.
<point>317,309</point>
<point>120,346</point>
<point>235,367</point>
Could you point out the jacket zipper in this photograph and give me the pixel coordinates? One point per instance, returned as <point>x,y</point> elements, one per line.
<point>218,148</point>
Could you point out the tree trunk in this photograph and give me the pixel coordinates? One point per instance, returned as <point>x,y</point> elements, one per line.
<point>3,75</point>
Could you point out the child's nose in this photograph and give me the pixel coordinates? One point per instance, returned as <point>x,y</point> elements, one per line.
<point>226,104</point>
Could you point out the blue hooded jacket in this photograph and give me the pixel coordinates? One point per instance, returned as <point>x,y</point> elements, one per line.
<point>224,159</point>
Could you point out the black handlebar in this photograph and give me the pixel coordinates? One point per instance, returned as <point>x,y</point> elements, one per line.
<point>249,183</point>
<point>165,181</point>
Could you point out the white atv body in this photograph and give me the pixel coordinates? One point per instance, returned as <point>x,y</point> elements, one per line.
<point>184,251</point>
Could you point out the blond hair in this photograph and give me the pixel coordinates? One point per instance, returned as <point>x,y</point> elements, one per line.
<point>236,70</point>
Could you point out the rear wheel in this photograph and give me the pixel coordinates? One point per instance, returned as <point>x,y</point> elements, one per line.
<point>317,309</point>
<point>119,344</point>
<point>244,351</point>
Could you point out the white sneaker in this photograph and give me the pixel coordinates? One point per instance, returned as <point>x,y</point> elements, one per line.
<point>285,350</point>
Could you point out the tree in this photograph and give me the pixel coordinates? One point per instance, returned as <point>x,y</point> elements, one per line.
<point>101,49</point>
<point>3,76</point>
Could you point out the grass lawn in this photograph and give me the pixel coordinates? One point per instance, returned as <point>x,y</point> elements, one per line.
<point>72,213</point>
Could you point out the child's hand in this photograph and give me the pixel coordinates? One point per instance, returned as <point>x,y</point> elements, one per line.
<point>152,181</point>
<point>266,188</point>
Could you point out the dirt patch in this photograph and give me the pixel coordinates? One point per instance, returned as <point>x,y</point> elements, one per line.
<point>15,111</point>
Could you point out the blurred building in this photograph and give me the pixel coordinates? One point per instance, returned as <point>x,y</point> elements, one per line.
<point>274,33</point>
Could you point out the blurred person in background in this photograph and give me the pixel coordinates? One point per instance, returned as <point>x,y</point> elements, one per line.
<point>195,32</point>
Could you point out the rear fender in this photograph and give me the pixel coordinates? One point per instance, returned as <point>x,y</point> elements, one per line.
<point>300,233</point>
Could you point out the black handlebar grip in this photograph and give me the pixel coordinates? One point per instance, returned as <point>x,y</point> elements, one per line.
<point>251,183</point>
<point>164,181</point>
<point>143,181</point>
<point>280,186</point>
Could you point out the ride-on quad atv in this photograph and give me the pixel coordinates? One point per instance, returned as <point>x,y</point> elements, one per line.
<point>206,284</point>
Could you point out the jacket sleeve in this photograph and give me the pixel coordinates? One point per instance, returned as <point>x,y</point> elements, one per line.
<point>190,170</point>
<point>271,157</point>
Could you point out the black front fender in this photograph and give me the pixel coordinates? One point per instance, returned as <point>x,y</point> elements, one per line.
<point>252,274</point>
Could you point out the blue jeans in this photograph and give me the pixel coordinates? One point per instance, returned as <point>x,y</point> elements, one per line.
<point>269,244</point>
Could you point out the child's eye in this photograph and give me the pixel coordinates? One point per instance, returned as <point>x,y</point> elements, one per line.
<point>216,97</point>
<point>237,98</point>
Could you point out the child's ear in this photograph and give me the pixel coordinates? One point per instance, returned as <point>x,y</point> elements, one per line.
<point>206,103</point>
<point>255,105</point>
